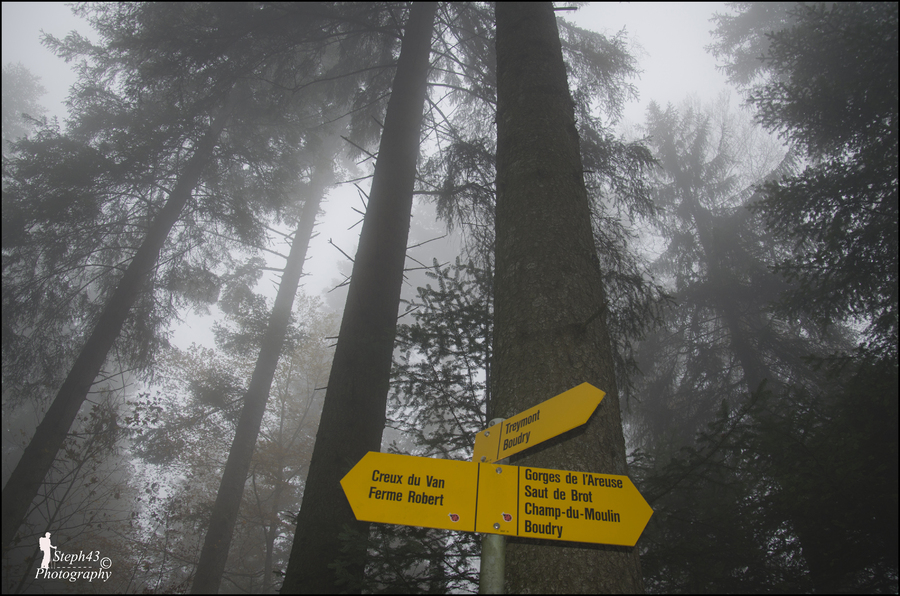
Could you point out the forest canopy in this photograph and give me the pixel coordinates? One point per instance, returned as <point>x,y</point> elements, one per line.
<point>724,269</point>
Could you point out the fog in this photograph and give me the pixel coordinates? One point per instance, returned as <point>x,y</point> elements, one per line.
<point>744,221</point>
<point>673,67</point>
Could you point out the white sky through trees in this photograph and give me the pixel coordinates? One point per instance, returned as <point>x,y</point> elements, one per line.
<point>667,40</point>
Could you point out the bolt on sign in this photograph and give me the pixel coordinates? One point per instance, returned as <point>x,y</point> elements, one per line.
<point>538,424</point>
<point>496,499</point>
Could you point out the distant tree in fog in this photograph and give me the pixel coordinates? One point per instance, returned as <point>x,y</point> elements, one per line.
<point>320,175</point>
<point>21,92</point>
<point>188,427</point>
<point>720,341</point>
<point>826,78</point>
<point>742,401</point>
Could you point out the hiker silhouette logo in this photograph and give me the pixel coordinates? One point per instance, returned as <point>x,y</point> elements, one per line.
<point>56,564</point>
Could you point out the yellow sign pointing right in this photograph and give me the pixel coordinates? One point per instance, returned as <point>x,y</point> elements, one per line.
<point>538,424</point>
<point>560,505</point>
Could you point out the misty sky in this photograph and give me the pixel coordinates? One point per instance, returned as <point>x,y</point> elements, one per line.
<point>671,37</point>
<point>668,41</point>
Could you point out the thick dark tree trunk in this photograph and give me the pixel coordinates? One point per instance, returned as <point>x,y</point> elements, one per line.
<point>26,479</point>
<point>214,555</point>
<point>550,329</point>
<point>353,416</point>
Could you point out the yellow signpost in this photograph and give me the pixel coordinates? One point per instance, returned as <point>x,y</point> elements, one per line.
<point>482,496</point>
<point>538,424</point>
<point>496,499</point>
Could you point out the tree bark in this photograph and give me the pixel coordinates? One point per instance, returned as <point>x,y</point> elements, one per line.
<point>550,329</point>
<point>38,457</point>
<point>353,416</point>
<point>214,555</point>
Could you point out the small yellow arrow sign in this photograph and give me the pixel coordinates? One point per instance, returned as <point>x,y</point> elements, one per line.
<point>538,424</point>
<point>496,499</point>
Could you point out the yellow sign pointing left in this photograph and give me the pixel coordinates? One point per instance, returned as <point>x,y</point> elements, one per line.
<point>413,491</point>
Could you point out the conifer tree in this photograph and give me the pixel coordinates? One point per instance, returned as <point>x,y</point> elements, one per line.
<point>353,415</point>
<point>550,329</point>
<point>214,555</point>
<point>825,80</point>
<point>21,91</point>
<point>749,371</point>
<point>150,111</point>
<point>438,402</point>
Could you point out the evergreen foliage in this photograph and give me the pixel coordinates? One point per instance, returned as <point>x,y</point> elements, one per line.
<point>830,86</point>
<point>438,403</point>
<point>786,493</point>
<point>757,351</point>
<point>440,391</point>
<point>21,92</point>
<point>751,500</point>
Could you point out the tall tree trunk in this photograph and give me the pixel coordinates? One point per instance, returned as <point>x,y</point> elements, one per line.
<point>353,416</point>
<point>270,531</point>
<point>214,554</point>
<point>26,479</point>
<point>550,329</point>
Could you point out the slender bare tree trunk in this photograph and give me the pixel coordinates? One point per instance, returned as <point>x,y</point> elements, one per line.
<point>214,555</point>
<point>550,329</point>
<point>353,416</point>
<point>26,479</point>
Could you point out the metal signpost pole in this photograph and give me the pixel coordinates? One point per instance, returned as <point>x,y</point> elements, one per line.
<point>492,577</point>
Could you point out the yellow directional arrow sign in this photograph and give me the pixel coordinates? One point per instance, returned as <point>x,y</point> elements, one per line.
<point>560,505</point>
<point>496,499</point>
<point>413,491</point>
<point>538,424</point>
